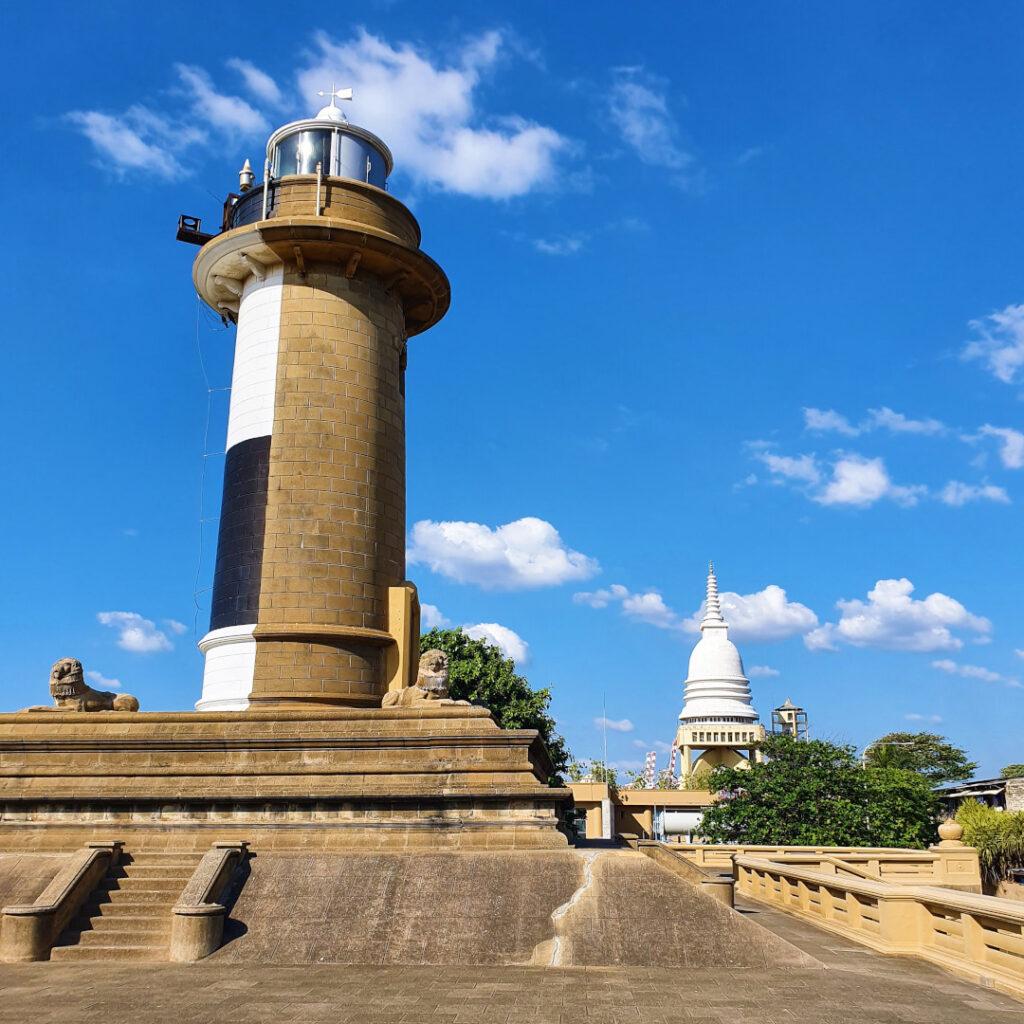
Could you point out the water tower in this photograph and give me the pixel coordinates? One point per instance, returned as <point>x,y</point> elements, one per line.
<point>320,269</point>
<point>789,720</point>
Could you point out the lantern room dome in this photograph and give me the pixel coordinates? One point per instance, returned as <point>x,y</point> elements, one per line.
<point>341,149</point>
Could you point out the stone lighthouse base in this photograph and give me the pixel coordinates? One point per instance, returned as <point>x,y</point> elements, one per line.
<point>444,777</point>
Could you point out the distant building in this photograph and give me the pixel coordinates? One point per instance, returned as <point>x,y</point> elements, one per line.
<point>718,722</point>
<point>1002,794</point>
<point>667,814</point>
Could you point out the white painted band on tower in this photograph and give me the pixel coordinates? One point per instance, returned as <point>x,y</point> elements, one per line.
<point>231,650</point>
<point>229,669</point>
<point>254,378</point>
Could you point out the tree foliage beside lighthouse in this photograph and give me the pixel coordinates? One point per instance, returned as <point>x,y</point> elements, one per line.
<point>481,674</point>
<point>815,793</point>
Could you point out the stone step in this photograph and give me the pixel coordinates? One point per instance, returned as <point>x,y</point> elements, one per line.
<point>159,871</point>
<point>126,897</point>
<point>154,924</point>
<point>134,952</point>
<point>182,856</point>
<point>127,937</point>
<point>120,909</point>
<point>168,885</point>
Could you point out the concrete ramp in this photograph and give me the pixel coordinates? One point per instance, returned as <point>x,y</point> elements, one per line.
<point>560,908</point>
<point>636,914</point>
<point>398,908</point>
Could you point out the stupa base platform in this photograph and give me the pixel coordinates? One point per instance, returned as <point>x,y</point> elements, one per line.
<point>444,777</point>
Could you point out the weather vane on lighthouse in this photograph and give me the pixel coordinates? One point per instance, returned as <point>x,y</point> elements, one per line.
<point>337,94</point>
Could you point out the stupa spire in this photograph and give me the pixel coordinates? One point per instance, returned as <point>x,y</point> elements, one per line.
<point>712,604</point>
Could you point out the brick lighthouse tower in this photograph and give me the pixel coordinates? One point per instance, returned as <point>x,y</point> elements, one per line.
<point>321,270</point>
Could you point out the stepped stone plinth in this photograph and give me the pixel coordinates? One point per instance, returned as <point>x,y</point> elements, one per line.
<point>442,775</point>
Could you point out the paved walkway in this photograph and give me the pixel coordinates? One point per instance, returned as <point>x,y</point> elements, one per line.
<point>856,987</point>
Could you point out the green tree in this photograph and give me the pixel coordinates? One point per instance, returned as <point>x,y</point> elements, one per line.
<point>594,771</point>
<point>481,674</point>
<point>927,753</point>
<point>805,794</point>
<point>814,793</point>
<point>1012,771</point>
<point>698,780</point>
<point>901,808</point>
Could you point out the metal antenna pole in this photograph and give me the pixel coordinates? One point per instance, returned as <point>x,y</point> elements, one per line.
<point>604,726</point>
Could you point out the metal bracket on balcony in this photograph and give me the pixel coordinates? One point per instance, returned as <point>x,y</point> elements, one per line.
<point>190,230</point>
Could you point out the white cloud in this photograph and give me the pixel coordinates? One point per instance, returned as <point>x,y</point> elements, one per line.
<point>563,245</point>
<point>893,620</point>
<point>646,606</point>
<point>766,615</point>
<point>103,682</point>
<point>258,82</point>
<point>913,716</point>
<point>176,627</point>
<point>1011,451</point>
<point>829,421</point>
<point>128,142</point>
<point>616,725</point>
<point>800,468</point>
<point>428,112</point>
<point>967,671</point>
<point>524,554</point>
<point>135,633</point>
<point>957,493</point>
<point>639,109</point>
<point>601,598</point>
<point>861,482</point>
<point>228,113</point>
<point>986,675</point>
<point>649,607</point>
<point>431,617</point>
<point>1019,651</point>
<point>509,642</point>
<point>762,672</point>
<point>999,343</point>
<point>897,423</point>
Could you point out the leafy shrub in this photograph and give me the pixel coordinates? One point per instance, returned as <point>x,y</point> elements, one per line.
<point>997,835</point>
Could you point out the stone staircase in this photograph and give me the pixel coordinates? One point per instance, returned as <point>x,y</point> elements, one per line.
<point>129,915</point>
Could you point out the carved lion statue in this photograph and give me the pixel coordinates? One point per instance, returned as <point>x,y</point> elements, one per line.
<point>71,693</point>
<point>431,684</point>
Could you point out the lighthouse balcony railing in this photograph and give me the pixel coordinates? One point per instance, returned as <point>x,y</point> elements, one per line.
<point>248,207</point>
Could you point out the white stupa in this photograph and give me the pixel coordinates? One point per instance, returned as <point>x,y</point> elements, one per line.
<point>718,717</point>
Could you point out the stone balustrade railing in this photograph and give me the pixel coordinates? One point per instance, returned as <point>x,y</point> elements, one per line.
<point>954,866</point>
<point>197,922</point>
<point>28,931</point>
<point>977,937</point>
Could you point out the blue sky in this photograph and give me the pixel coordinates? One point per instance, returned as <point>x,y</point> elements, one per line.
<point>736,282</point>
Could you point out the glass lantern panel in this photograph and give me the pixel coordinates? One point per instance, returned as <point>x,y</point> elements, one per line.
<point>301,152</point>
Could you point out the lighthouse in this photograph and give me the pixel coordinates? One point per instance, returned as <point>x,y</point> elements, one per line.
<point>320,269</point>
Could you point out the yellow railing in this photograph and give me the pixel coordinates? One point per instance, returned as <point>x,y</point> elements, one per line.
<point>977,937</point>
<point>954,866</point>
